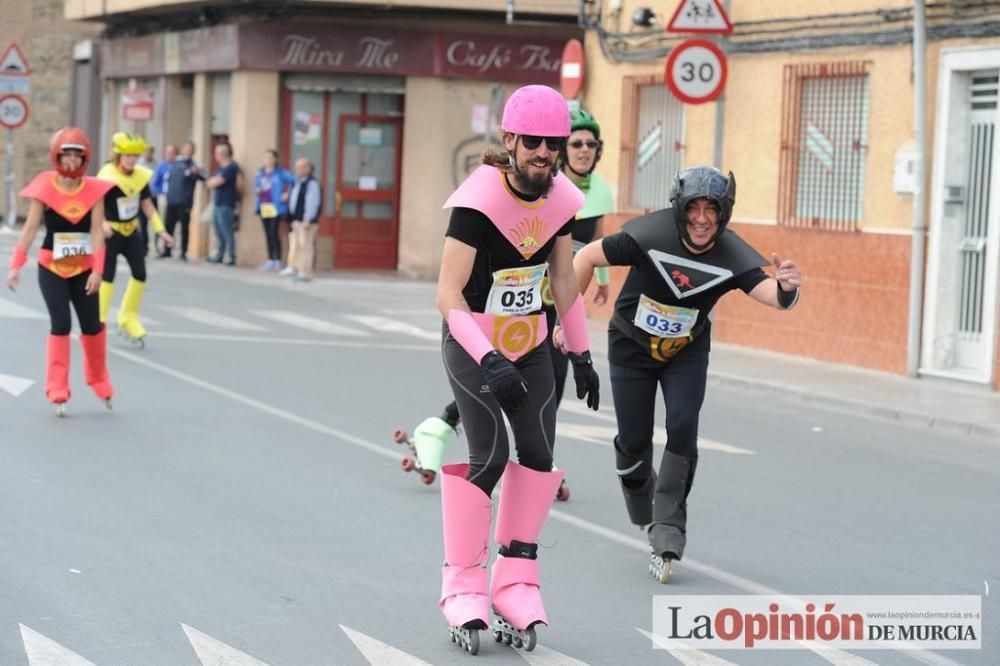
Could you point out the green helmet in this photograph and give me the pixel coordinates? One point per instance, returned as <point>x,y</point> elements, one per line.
<point>582,120</point>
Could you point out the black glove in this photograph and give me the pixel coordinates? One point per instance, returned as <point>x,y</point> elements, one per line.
<point>505,382</point>
<point>588,384</point>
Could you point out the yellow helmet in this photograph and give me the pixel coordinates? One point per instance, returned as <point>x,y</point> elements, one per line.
<point>126,143</point>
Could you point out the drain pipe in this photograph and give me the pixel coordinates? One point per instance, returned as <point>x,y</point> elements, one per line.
<point>919,192</point>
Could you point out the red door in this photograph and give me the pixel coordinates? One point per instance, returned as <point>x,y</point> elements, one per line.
<point>366,220</point>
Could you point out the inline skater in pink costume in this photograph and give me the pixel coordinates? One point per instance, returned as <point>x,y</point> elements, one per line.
<point>510,222</point>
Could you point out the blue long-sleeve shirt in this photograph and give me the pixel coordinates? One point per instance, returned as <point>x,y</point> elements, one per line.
<point>158,184</point>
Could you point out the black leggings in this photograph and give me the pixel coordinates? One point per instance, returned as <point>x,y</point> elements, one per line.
<point>271,225</point>
<point>131,246</point>
<point>633,387</point>
<point>59,292</point>
<point>534,425</point>
<point>178,213</point>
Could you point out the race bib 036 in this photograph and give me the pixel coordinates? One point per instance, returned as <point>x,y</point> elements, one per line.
<point>68,245</point>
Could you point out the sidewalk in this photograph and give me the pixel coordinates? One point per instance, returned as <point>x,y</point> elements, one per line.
<point>930,402</point>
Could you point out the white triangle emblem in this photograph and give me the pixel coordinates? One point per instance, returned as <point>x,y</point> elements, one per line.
<point>686,277</point>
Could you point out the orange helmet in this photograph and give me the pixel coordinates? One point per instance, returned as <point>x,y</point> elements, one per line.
<point>70,138</point>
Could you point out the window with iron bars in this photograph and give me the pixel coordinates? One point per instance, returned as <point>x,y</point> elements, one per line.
<point>824,140</point>
<point>652,143</point>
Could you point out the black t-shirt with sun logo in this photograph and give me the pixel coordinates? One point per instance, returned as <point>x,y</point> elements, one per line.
<point>494,251</point>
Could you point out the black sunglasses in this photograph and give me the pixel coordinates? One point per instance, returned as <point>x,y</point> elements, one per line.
<point>578,144</point>
<point>555,143</point>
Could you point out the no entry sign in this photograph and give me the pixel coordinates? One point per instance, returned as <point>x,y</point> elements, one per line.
<point>696,71</point>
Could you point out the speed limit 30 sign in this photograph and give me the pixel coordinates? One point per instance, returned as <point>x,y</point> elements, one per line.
<point>13,111</point>
<point>696,71</point>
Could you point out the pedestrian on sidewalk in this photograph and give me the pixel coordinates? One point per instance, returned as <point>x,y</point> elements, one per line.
<point>227,183</point>
<point>271,185</point>
<point>511,221</point>
<point>682,259</point>
<point>306,202</point>
<point>182,178</point>
<point>71,206</point>
<point>158,186</point>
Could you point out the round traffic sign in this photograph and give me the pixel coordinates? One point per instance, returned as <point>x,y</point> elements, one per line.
<point>696,71</point>
<point>13,111</point>
<point>571,71</point>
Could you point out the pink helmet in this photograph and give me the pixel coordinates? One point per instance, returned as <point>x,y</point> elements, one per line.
<point>536,111</point>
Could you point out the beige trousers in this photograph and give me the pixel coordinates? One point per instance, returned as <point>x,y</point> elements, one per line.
<point>302,248</point>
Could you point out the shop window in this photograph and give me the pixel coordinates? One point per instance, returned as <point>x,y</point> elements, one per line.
<point>824,142</point>
<point>652,143</point>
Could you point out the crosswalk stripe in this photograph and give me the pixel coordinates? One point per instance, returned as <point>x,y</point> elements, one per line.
<point>213,652</point>
<point>543,656</point>
<point>377,652</point>
<point>605,435</point>
<point>390,325</point>
<point>308,323</point>
<point>685,655</point>
<point>44,651</point>
<point>215,319</point>
<point>15,385</point>
<point>12,310</point>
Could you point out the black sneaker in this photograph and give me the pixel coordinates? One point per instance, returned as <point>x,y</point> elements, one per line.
<point>214,260</point>
<point>231,262</point>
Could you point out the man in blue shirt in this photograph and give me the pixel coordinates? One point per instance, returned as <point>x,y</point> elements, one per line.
<point>227,183</point>
<point>158,185</point>
<point>182,177</point>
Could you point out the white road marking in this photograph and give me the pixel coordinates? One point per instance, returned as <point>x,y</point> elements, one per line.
<point>685,655</point>
<point>389,325</point>
<point>307,342</point>
<point>614,536</point>
<point>543,656</point>
<point>44,651</point>
<point>605,435</point>
<point>12,310</point>
<point>308,323</point>
<point>257,404</point>
<point>211,318</point>
<point>15,385</point>
<point>212,652</point>
<point>378,653</point>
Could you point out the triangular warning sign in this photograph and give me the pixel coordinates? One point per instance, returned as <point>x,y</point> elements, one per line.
<point>686,277</point>
<point>13,62</point>
<point>704,16</point>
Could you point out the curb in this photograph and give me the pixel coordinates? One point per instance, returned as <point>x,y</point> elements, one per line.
<point>854,405</point>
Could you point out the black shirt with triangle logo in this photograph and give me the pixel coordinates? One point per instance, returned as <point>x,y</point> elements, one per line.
<point>665,271</point>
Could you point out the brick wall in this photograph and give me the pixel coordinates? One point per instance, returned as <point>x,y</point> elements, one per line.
<point>46,40</point>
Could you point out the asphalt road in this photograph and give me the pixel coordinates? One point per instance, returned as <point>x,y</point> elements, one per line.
<point>243,503</point>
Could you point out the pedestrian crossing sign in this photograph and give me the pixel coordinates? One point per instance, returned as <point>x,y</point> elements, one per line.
<point>13,63</point>
<point>701,16</point>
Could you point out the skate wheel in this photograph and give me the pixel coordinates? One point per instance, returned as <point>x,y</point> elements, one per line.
<point>399,436</point>
<point>141,343</point>
<point>497,636</point>
<point>407,464</point>
<point>427,477</point>
<point>61,410</point>
<point>473,645</point>
<point>508,639</point>
<point>532,640</point>
<point>517,642</point>
<point>107,403</point>
<point>562,494</point>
